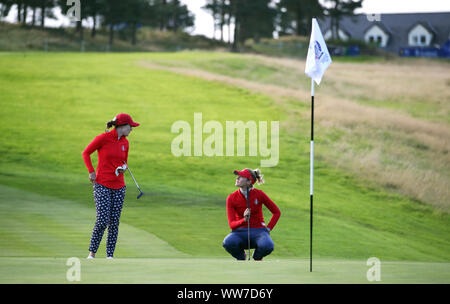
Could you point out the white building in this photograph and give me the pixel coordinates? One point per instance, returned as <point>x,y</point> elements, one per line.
<point>393,31</point>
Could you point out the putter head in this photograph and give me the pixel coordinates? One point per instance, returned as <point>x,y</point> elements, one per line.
<point>140,195</point>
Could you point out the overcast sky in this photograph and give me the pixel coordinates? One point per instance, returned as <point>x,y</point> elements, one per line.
<point>204,22</point>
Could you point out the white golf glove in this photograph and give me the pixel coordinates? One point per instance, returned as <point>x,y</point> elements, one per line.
<point>124,167</point>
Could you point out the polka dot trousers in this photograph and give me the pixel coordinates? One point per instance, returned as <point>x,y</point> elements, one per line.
<point>108,204</point>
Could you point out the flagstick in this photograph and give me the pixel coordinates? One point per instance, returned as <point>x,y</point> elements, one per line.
<point>317,61</point>
<point>311,177</point>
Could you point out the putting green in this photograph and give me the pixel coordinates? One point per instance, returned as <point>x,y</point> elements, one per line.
<point>37,225</point>
<point>217,270</point>
<point>39,233</point>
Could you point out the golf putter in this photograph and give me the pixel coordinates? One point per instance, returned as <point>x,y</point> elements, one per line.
<point>248,236</point>
<point>140,191</point>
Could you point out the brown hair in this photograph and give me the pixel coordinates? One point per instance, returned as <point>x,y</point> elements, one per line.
<point>256,173</point>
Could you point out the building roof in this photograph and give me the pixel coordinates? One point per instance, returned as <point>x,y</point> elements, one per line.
<point>381,25</point>
<point>397,25</point>
<point>426,25</point>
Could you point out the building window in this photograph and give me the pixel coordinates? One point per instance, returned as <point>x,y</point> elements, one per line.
<point>415,39</point>
<point>423,39</point>
<point>378,40</point>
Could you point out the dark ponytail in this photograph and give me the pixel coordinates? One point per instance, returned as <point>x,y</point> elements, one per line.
<point>110,123</point>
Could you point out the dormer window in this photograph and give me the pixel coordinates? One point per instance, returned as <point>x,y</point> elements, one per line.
<point>378,35</point>
<point>419,35</point>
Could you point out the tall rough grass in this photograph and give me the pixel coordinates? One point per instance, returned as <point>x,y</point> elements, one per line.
<point>385,121</point>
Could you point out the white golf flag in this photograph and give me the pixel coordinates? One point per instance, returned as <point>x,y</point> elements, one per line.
<point>318,58</point>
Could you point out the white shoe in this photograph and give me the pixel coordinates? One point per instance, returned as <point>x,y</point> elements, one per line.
<point>90,257</point>
<point>109,258</point>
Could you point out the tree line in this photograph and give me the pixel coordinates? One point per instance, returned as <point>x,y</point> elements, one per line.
<point>165,15</point>
<point>261,18</point>
<point>254,19</point>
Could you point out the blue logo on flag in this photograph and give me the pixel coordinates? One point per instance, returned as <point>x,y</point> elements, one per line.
<point>317,50</point>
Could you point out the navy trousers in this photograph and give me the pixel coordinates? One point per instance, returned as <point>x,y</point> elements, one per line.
<point>237,242</point>
<point>108,204</point>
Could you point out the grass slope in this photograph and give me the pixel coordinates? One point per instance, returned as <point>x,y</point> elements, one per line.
<point>370,120</point>
<point>54,105</point>
<point>19,38</point>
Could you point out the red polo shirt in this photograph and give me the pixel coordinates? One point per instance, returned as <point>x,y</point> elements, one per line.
<point>112,153</point>
<point>237,204</point>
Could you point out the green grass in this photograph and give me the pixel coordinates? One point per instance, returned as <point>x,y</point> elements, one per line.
<point>40,233</point>
<point>53,105</point>
<point>218,271</point>
<point>426,106</point>
<point>46,226</point>
<point>412,160</point>
<point>420,108</point>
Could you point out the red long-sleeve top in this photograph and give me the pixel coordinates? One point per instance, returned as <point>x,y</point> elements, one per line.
<point>237,204</point>
<point>112,153</point>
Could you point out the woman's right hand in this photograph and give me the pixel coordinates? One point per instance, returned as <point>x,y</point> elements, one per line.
<point>247,214</point>
<point>92,177</point>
